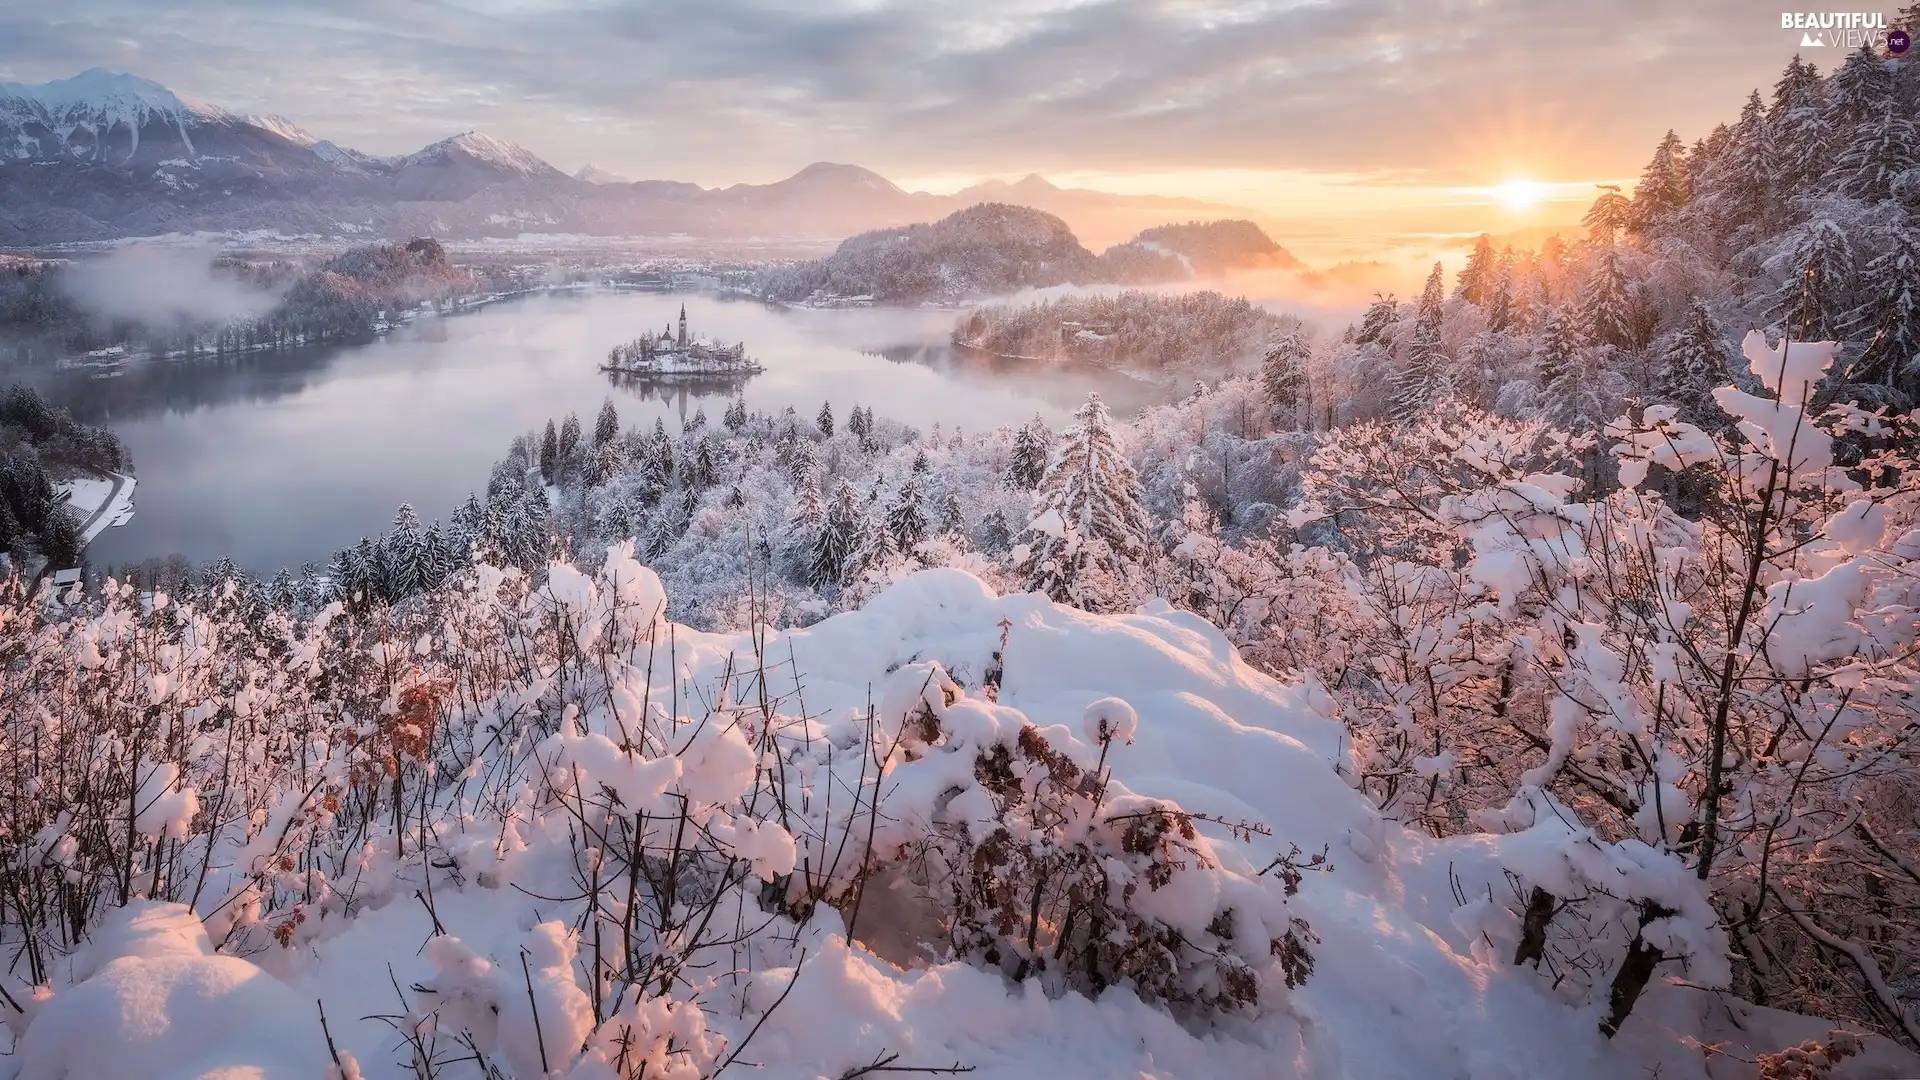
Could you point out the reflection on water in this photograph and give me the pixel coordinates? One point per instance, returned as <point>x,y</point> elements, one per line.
<point>276,458</point>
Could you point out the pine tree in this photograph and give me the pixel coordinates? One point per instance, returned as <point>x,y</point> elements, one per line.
<point>695,422</point>
<point>1476,280</point>
<point>1748,193</point>
<point>1890,318</point>
<point>1662,188</point>
<point>1500,299</point>
<point>835,539</point>
<point>1609,215</point>
<point>569,437</point>
<point>1554,354</point>
<point>657,466</point>
<point>1799,133</point>
<point>1860,90</point>
<point>860,422</point>
<point>1032,444</point>
<point>824,419</point>
<point>550,453</point>
<point>1422,380</point>
<point>736,417</point>
<point>1099,552</point>
<point>1283,376</point>
<point>1882,148</point>
<point>1814,304</point>
<point>606,427</point>
<point>953,520</point>
<point>906,518</point>
<point>803,463</point>
<point>1693,365</point>
<point>404,562</point>
<point>1376,325</point>
<point>1604,305</point>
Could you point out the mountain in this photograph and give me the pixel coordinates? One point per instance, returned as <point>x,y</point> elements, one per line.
<point>104,155</point>
<point>593,174</point>
<point>984,250</point>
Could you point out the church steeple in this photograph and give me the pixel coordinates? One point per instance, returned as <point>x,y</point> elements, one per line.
<point>683,326</point>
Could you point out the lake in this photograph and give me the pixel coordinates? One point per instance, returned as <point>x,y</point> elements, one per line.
<point>278,458</point>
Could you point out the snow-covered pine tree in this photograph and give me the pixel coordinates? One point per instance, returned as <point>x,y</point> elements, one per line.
<point>1889,320</point>
<point>836,538</point>
<point>824,419</point>
<point>1376,325</point>
<point>657,465</point>
<point>1032,445</point>
<point>1814,302</point>
<point>1555,351</point>
<point>405,563</point>
<point>1283,377</point>
<point>550,453</point>
<point>1609,215</point>
<point>1860,90</point>
<point>1500,299</point>
<point>906,517</point>
<point>1662,188</point>
<point>569,436</point>
<point>736,416</point>
<point>1476,278</point>
<point>1422,379</point>
<point>606,426</point>
<point>1090,541</point>
<point>1605,307</point>
<point>1796,120</point>
<point>1882,148</point>
<point>1695,362</point>
<point>953,519</point>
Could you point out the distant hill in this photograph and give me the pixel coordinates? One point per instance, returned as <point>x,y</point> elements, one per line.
<point>106,155</point>
<point>985,250</point>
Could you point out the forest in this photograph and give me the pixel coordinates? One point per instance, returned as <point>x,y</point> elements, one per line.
<point>40,444</point>
<point>1594,564</point>
<point>1161,333</point>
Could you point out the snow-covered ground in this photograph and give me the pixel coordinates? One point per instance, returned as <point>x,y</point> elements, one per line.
<point>1402,986</point>
<point>100,502</point>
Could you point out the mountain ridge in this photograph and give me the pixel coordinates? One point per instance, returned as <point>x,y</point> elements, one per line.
<point>107,155</point>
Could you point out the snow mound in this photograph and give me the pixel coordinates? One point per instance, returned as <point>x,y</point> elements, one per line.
<point>154,1001</point>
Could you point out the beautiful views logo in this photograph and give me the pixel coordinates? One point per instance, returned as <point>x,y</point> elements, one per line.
<point>1844,30</point>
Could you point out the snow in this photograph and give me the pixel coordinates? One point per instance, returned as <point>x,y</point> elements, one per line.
<point>100,502</point>
<point>486,148</point>
<point>1405,984</point>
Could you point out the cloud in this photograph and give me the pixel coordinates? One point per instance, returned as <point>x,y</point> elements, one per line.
<point>161,286</point>
<point>722,90</point>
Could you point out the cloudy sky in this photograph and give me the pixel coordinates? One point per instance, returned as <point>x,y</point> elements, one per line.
<point>1395,111</point>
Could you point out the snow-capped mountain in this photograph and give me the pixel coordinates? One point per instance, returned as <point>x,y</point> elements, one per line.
<point>594,174</point>
<point>103,155</point>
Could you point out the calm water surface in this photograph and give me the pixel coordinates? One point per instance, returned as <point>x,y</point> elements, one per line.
<point>274,459</point>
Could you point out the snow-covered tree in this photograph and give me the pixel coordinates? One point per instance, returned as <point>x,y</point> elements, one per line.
<point>1032,446</point>
<point>1663,186</point>
<point>1605,303</point>
<point>1609,215</point>
<point>1816,298</point>
<point>1882,149</point>
<point>837,538</point>
<point>1693,365</point>
<point>824,419</point>
<point>1476,281</point>
<point>606,426</point>
<point>1090,540</point>
<point>1285,380</point>
<point>1422,378</point>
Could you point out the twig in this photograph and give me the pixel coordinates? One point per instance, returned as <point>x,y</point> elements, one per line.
<point>771,1009</point>
<point>332,1050</point>
<point>884,1063</point>
<point>539,1037</point>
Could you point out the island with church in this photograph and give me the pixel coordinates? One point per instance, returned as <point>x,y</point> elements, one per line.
<point>668,354</point>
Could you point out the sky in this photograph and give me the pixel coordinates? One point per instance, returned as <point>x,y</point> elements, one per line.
<point>1330,116</point>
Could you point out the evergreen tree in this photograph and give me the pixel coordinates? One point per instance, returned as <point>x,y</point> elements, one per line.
<point>803,463</point>
<point>658,463</point>
<point>1747,194</point>
<point>860,422</point>
<point>1283,376</point>
<point>1555,353</point>
<point>906,518</point>
<point>1501,315</point>
<point>1797,123</point>
<point>1662,188</point>
<point>1814,304</point>
<point>835,540</point>
<point>1693,365</point>
<point>1890,318</point>
<point>549,453</point>
<point>824,419</point>
<point>404,561</point>
<point>1860,91</point>
<point>606,427</point>
<point>1605,304</point>
<point>736,417</point>
<point>1609,215</point>
<point>1096,551</point>
<point>1476,280</point>
<point>1882,148</point>
<point>1032,443</point>
<point>569,437</point>
<point>1376,325</point>
<point>1422,380</point>
<point>953,521</point>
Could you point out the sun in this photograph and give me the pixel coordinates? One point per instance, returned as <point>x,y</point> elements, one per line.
<point>1520,194</point>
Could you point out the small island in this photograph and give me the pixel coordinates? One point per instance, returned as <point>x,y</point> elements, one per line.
<point>668,354</point>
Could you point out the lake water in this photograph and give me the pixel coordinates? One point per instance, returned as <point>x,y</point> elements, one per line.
<point>278,458</point>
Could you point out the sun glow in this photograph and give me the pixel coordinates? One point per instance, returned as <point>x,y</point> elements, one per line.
<point>1520,194</point>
